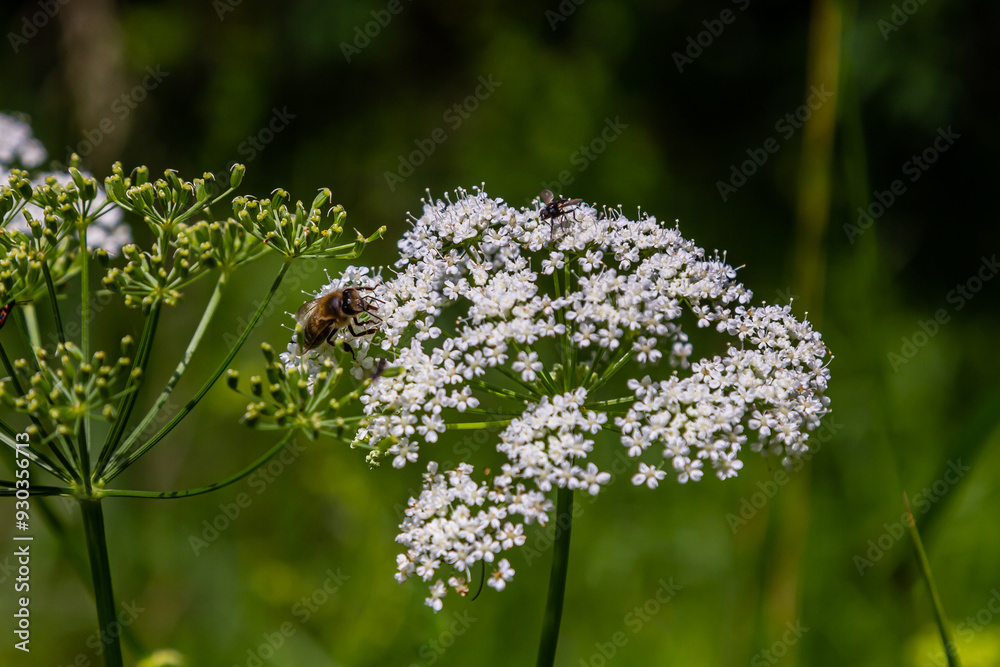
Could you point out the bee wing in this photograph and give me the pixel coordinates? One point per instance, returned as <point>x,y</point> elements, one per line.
<point>547,196</point>
<point>315,327</point>
<point>306,310</point>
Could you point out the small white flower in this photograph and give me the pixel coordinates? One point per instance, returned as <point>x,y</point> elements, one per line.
<point>501,575</point>
<point>591,479</point>
<point>438,591</point>
<point>648,475</point>
<point>527,365</point>
<point>404,452</point>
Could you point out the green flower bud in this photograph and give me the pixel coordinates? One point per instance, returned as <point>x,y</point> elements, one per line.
<point>236,175</point>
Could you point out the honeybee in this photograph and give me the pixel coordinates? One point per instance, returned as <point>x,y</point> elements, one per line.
<point>554,208</point>
<point>324,316</point>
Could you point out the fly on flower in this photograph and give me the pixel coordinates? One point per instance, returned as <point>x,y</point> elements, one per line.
<point>555,208</point>
<point>380,369</point>
<point>325,315</point>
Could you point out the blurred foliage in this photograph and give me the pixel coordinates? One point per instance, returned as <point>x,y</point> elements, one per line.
<point>226,80</point>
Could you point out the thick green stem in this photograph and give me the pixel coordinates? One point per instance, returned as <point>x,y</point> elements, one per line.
<point>557,579</point>
<point>211,487</point>
<point>97,547</point>
<point>83,446</point>
<point>117,467</point>
<point>75,556</point>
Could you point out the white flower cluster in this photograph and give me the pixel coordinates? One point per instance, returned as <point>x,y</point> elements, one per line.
<point>495,310</point>
<point>440,526</point>
<point>20,148</point>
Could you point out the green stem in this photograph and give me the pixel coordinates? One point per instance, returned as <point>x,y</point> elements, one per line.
<point>75,557</point>
<point>626,355</point>
<point>598,360</point>
<point>211,487</point>
<point>97,547</point>
<point>128,400</point>
<point>9,367</point>
<point>85,330</point>
<point>31,329</point>
<point>115,469</point>
<point>161,400</point>
<point>52,299</point>
<point>34,456</point>
<point>542,378</point>
<point>557,579</point>
<point>517,378</point>
<point>473,426</point>
<point>8,488</point>
<point>609,402</point>
<point>83,446</point>
<point>950,649</point>
<point>500,391</point>
<point>569,366</point>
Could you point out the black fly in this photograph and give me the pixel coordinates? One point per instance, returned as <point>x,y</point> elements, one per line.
<point>555,208</point>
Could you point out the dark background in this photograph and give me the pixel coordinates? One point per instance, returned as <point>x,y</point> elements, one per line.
<point>898,423</point>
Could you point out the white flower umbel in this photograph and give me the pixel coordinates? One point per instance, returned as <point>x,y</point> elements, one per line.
<point>557,335</point>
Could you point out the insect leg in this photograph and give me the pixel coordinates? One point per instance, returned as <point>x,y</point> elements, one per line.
<point>363,333</point>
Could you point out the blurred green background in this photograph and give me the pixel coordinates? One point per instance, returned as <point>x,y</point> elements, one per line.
<point>307,99</point>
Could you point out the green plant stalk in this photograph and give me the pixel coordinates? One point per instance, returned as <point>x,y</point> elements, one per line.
<point>599,359</point>
<point>55,310</point>
<point>10,371</point>
<point>130,458</point>
<point>161,495</point>
<point>28,326</point>
<point>85,341</point>
<point>950,649</point>
<point>161,400</point>
<point>128,400</point>
<point>616,365</point>
<point>542,378</point>
<point>500,391</point>
<point>83,445</point>
<point>557,579</point>
<point>610,402</point>
<point>97,548</point>
<point>34,456</point>
<point>474,426</point>
<point>73,555</point>
<point>532,391</point>
<point>561,318</point>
